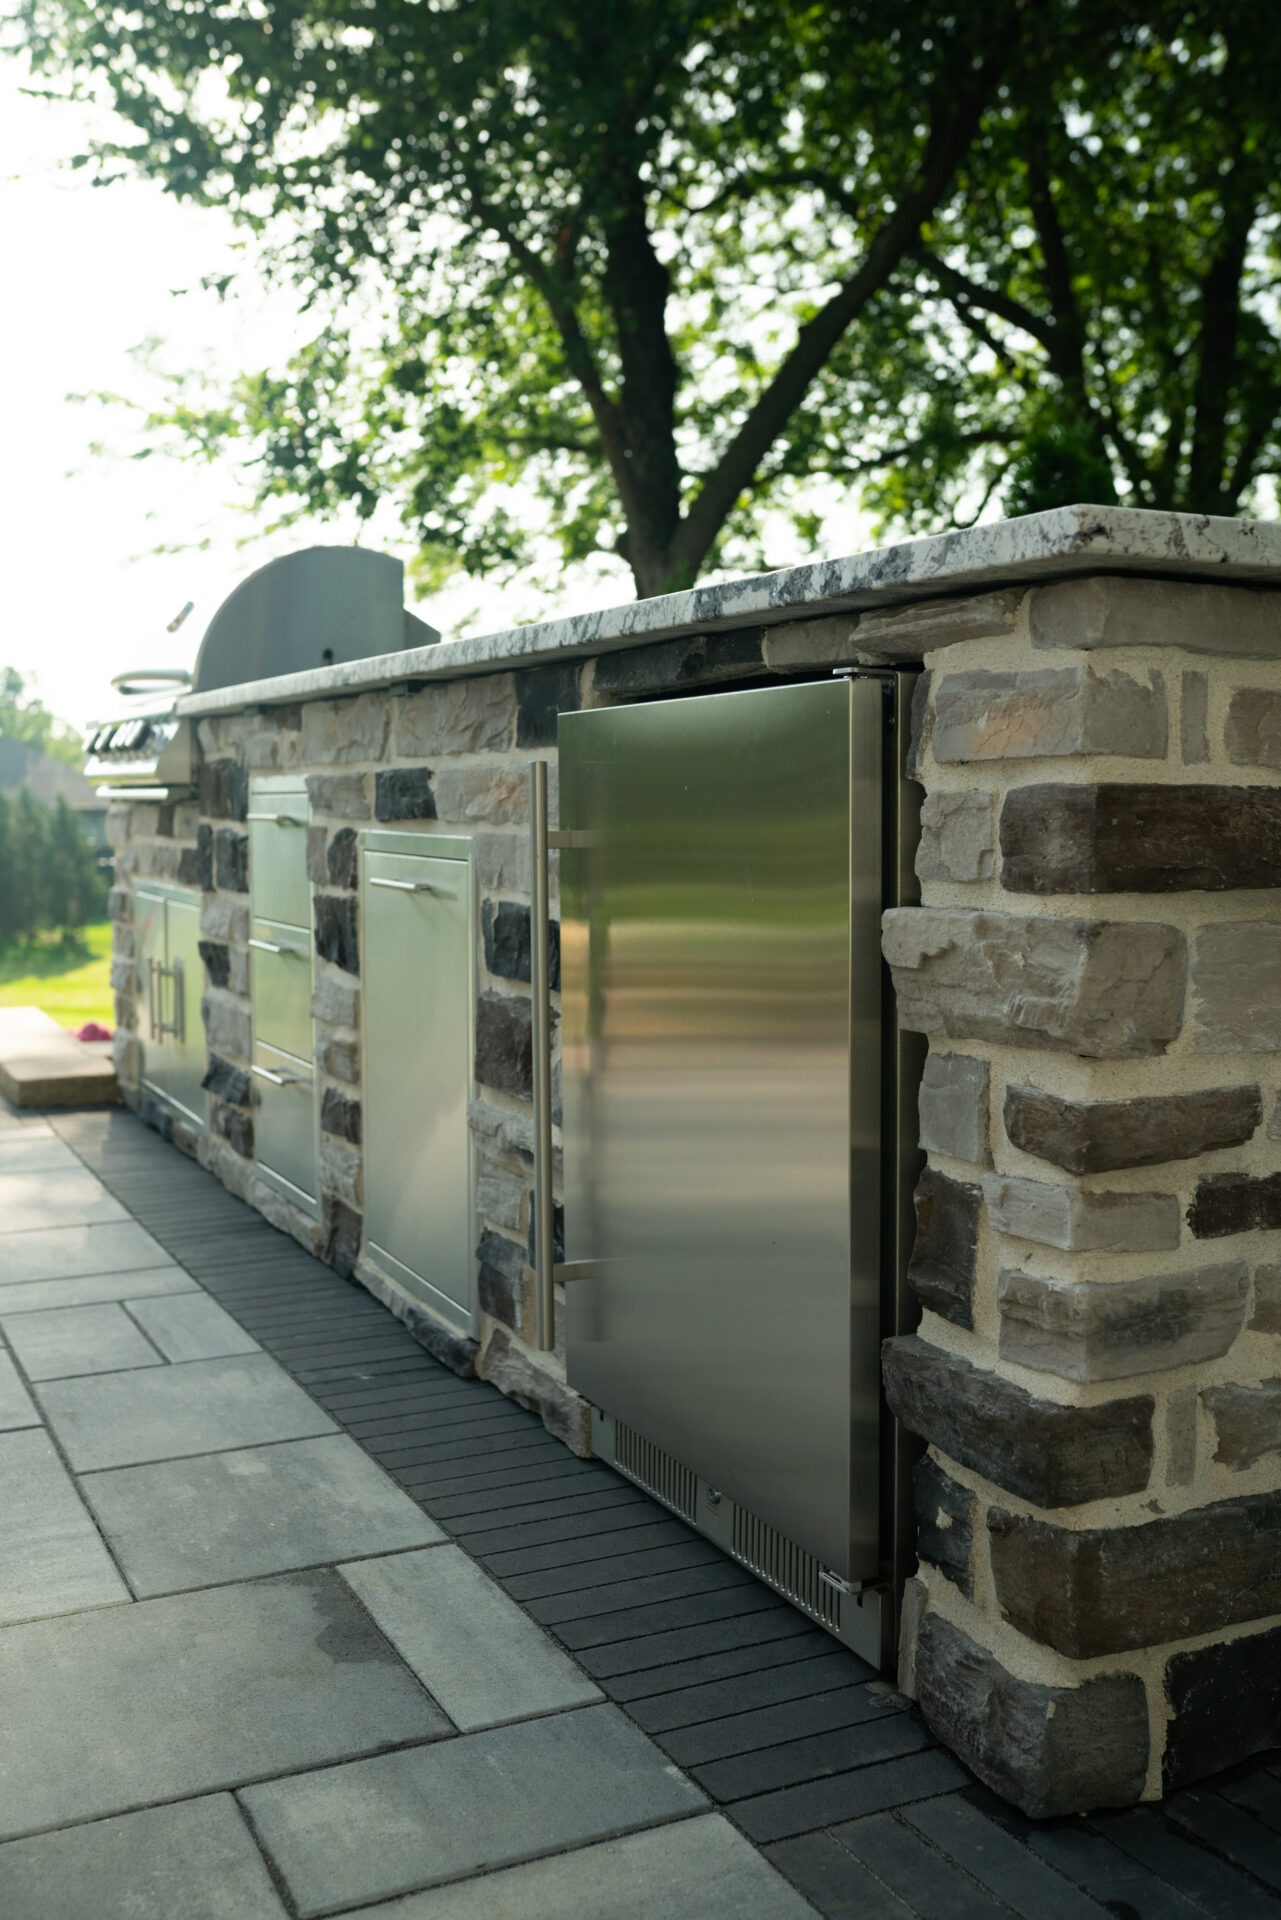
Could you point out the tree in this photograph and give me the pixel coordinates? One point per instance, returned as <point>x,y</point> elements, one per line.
<point>25,718</point>
<point>617,247</point>
<point>1117,281</point>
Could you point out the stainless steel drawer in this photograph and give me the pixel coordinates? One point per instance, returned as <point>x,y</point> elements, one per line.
<point>278,883</point>
<point>285,1119</point>
<point>281,986</point>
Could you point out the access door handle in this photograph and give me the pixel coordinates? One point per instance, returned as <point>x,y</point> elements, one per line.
<point>278,819</point>
<point>270,946</point>
<point>277,1079</point>
<point>414,886</point>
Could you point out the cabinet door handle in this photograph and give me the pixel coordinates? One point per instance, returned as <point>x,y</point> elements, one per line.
<point>277,1079</point>
<point>414,886</point>
<point>270,946</point>
<point>278,819</point>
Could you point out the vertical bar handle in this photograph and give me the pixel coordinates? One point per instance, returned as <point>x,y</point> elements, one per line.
<point>540,988</point>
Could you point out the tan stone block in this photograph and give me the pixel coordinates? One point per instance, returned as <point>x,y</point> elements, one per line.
<point>907,633</point>
<point>1117,1329</point>
<point>223,917</point>
<point>1047,712</point>
<point>958,837</point>
<point>456,716</point>
<point>497,795</point>
<point>1252,733</point>
<point>1247,1423</point>
<point>1101,989</point>
<point>502,863</point>
<point>339,732</point>
<point>1080,1221</point>
<point>1266,1317</point>
<point>1108,611</point>
<point>1236,987</point>
<point>831,641</point>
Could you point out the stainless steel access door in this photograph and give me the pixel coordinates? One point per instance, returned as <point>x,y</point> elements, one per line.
<point>171,977</point>
<point>721,898</point>
<point>420,1226</point>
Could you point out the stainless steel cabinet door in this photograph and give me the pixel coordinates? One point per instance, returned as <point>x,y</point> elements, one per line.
<point>281,984</point>
<point>170,984</point>
<point>278,853</point>
<point>285,1120</point>
<point>419,1224</point>
<point>721,1034</point>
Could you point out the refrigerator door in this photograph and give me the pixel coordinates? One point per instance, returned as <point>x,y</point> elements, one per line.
<point>722,1087</point>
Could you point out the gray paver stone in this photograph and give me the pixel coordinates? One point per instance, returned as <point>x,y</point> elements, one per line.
<point>475,1650</point>
<point>72,1196</point>
<point>221,1517</point>
<point>196,1860</point>
<point>35,1153</point>
<point>189,1327</point>
<point>16,1409</point>
<point>77,1340</point>
<point>91,1289</point>
<point>405,1820</point>
<point>174,1697</point>
<point>206,1406</point>
<point>698,1869</point>
<point>51,1557</point>
<point>65,1252</point>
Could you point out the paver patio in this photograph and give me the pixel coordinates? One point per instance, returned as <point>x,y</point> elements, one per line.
<point>294,1622</point>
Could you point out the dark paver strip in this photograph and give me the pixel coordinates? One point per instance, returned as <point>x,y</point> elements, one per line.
<point>817,1756</point>
<point>750,1730</point>
<point>613,1569</point>
<point>1222,1890</point>
<point>997,1860</point>
<point>622,1596</point>
<point>734,1601</point>
<point>725,1663</point>
<point>1117,1881</point>
<point>933,1886</point>
<point>1237,1835</point>
<point>808,1670</point>
<point>839,1886</point>
<point>849,1796</point>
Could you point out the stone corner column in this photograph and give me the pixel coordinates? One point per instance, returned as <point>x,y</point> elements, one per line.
<point>1096,1616</point>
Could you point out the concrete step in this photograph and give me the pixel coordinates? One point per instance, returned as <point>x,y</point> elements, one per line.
<point>42,1066</point>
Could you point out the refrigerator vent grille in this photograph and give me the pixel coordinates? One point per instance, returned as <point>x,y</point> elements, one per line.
<point>655,1470</point>
<point>794,1572</point>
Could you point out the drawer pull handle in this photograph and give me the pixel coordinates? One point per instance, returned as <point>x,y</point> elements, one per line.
<point>278,819</point>
<point>270,946</point>
<point>277,1079</point>
<point>414,886</point>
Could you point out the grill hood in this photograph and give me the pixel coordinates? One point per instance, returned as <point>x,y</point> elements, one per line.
<point>305,610</point>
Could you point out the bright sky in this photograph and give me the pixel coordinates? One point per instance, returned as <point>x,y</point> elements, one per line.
<point>93,273</point>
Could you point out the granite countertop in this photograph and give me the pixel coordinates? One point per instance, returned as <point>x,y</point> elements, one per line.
<point>1043,547</point>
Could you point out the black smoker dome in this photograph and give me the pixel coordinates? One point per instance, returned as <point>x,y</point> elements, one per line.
<point>307,610</point>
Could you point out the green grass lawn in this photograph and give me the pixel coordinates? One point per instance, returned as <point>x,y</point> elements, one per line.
<point>71,982</point>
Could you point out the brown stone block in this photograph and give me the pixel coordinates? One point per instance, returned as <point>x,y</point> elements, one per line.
<point>1127,838</point>
<point>1252,733</point>
<point>1113,1589</point>
<point>1099,988</point>
<point>1236,985</point>
<point>1194,733</point>
<point>1098,1136</point>
<point>1110,611</point>
<point>944,1523</point>
<point>340,1115</point>
<point>343,794</point>
<point>504,1044</point>
<point>1050,1454</point>
<point>1225,1704</point>
<point>941,1269</point>
<point>1247,1424</point>
<point>1114,1329</point>
<point>337,732</point>
<point>1047,712</point>
<point>1235,1203</point>
<point>1050,1750</point>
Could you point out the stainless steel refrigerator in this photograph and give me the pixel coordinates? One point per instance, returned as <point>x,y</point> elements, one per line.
<point>739,1120</point>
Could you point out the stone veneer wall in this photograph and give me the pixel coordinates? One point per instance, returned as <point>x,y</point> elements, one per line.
<point>1097,962</point>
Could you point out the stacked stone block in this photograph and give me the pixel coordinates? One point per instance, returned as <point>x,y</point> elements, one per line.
<point>1097,962</point>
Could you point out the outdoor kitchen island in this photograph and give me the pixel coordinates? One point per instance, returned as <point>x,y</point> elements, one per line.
<point>1096,959</point>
